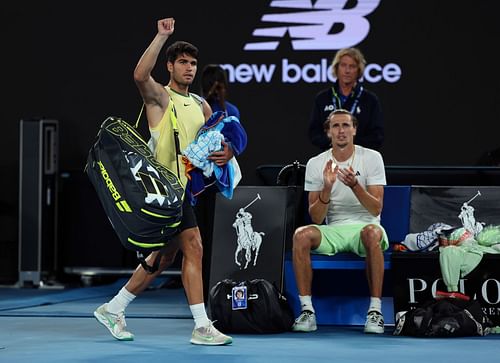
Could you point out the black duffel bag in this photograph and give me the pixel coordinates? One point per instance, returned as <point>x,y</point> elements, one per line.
<point>263,309</point>
<point>444,318</point>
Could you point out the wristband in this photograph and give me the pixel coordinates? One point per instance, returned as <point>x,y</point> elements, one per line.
<point>319,197</point>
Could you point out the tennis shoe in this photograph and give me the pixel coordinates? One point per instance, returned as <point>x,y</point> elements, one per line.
<point>114,322</point>
<point>209,335</point>
<point>306,322</point>
<point>374,323</point>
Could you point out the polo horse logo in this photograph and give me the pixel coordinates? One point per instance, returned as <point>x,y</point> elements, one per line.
<point>467,217</point>
<point>248,240</point>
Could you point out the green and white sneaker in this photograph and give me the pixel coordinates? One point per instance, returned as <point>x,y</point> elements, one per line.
<point>114,322</point>
<point>209,335</point>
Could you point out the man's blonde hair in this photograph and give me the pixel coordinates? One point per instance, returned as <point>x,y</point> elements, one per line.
<point>355,54</point>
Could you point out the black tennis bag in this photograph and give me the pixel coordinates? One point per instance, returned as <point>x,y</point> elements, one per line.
<point>444,318</point>
<point>267,310</point>
<point>141,197</point>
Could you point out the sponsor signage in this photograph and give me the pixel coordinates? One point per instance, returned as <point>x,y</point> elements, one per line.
<point>309,26</point>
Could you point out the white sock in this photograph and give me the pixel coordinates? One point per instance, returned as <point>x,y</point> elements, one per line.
<point>120,302</point>
<point>375,304</point>
<point>306,303</point>
<point>199,315</point>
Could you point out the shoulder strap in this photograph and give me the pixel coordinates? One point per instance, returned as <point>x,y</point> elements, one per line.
<point>139,117</point>
<point>173,120</point>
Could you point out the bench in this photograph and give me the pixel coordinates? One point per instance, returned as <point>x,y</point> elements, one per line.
<point>349,276</point>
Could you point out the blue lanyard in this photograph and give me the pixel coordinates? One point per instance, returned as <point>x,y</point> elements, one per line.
<point>337,103</point>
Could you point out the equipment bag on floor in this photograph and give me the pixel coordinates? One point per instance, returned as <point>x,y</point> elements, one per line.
<point>444,318</point>
<point>141,197</point>
<point>252,306</point>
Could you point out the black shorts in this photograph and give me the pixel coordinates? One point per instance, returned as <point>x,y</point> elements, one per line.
<point>188,216</point>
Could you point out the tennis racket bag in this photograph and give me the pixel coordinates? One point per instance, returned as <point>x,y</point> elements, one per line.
<point>141,197</point>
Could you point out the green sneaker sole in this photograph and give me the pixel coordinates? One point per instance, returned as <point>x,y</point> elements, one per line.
<point>104,321</point>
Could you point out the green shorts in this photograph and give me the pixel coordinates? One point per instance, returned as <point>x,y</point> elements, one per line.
<point>345,238</point>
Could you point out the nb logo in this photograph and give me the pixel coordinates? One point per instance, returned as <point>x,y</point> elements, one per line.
<point>310,26</point>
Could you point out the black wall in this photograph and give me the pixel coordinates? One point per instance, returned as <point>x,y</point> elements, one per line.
<point>73,61</point>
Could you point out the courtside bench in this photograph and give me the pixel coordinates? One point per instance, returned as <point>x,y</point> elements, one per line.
<point>340,291</point>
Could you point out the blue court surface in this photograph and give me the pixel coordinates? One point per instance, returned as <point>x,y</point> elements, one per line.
<point>42,325</point>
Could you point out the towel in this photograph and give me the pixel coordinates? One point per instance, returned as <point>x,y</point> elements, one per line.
<point>200,171</point>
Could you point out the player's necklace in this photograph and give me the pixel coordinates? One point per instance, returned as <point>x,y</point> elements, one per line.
<point>348,161</point>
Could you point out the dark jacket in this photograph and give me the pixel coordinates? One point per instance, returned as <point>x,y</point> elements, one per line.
<point>370,132</point>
